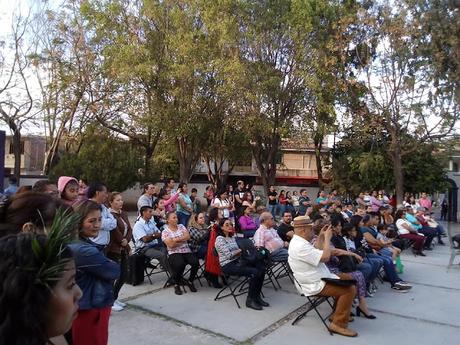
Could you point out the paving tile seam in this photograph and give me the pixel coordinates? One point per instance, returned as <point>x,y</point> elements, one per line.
<point>435,286</point>
<point>427,263</point>
<point>183,323</point>
<point>277,324</point>
<point>133,297</point>
<point>433,322</point>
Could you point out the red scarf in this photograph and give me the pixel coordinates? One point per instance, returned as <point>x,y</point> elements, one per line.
<point>212,260</point>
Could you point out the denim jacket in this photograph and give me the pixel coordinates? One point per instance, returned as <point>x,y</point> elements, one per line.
<point>95,274</point>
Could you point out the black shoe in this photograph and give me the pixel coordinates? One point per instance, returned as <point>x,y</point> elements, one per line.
<point>177,290</point>
<point>418,252</point>
<point>262,302</point>
<point>428,248</point>
<point>216,284</point>
<point>250,303</point>
<point>440,242</point>
<point>213,280</point>
<point>191,286</point>
<point>367,316</point>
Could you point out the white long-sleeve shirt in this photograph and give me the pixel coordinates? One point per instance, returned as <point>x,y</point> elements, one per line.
<point>108,224</point>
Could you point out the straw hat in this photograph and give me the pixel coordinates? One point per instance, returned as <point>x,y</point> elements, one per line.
<point>302,221</point>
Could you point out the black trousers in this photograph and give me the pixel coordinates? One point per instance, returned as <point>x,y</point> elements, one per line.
<point>122,260</point>
<point>255,273</point>
<point>177,263</point>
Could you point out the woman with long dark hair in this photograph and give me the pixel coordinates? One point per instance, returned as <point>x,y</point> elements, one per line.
<point>38,294</point>
<point>229,253</point>
<point>95,276</point>
<point>118,249</point>
<point>212,268</point>
<point>184,207</point>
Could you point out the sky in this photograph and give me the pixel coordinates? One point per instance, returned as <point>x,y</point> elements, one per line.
<point>7,9</point>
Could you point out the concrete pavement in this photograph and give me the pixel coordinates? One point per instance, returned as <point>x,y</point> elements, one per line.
<point>428,314</point>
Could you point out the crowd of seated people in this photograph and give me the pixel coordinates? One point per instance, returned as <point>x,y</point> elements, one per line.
<point>357,241</point>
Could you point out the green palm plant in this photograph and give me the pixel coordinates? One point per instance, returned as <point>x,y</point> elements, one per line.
<point>51,254</point>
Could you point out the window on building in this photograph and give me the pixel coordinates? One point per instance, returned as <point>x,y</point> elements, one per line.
<point>244,160</point>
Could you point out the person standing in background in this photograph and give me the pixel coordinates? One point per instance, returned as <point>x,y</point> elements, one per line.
<point>272,201</point>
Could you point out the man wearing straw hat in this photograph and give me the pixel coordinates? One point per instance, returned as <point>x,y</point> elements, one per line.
<point>307,264</point>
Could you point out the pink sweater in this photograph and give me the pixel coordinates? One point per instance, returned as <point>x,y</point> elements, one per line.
<point>170,203</point>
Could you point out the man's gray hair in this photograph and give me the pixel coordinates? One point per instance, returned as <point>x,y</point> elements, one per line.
<point>264,217</point>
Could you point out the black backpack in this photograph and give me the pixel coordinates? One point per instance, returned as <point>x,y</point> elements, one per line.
<point>135,274</point>
<point>250,255</point>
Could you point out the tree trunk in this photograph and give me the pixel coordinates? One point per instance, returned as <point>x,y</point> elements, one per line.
<point>185,170</point>
<point>188,157</point>
<point>216,175</point>
<point>318,142</point>
<point>397,171</point>
<point>50,156</point>
<point>17,152</point>
<point>267,166</point>
<point>148,158</point>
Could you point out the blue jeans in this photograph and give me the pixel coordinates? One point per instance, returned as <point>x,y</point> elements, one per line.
<point>388,267</point>
<point>376,263</point>
<point>366,269</point>
<point>281,209</point>
<point>183,218</point>
<point>386,252</point>
<point>272,209</point>
<point>429,233</point>
<point>201,253</point>
<point>280,254</point>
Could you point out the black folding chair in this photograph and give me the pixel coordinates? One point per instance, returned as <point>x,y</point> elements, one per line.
<point>233,286</point>
<point>200,274</point>
<point>277,270</point>
<point>152,267</point>
<point>313,303</point>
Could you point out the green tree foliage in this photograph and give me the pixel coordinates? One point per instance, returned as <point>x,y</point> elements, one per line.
<point>266,86</point>
<point>65,68</point>
<point>102,157</point>
<point>191,79</point>
<point>401,94</point>
<point>323,32</point>
<point>360,162</point>
<point>437,41</point>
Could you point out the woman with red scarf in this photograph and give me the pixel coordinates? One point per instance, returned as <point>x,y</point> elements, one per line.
<point>212,267</point>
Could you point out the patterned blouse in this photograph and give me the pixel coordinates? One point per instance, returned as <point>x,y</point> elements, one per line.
<point>197,238</point>
<point>167,233</point>
<point>226,248</point>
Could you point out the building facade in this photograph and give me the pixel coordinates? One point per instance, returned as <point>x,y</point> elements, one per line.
<point>33,149</point>
<point>296,166</point>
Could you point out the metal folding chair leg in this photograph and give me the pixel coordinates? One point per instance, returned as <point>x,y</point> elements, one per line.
<point>314,303</point>
<point>151,269</point>
<point>236,286</point>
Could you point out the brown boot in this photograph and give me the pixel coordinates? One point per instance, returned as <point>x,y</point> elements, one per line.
<point>342,331</point>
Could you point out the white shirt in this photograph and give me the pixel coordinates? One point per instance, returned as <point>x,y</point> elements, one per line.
<point>144,228</point>
<point>305,262</point>
<point>401,229</point>
<point>108,224</point>
<point>223,202</point>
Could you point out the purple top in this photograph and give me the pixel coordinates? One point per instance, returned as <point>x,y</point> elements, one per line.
<point>247,223</point>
